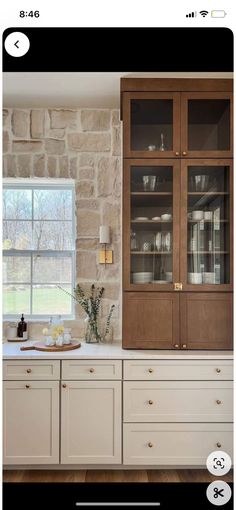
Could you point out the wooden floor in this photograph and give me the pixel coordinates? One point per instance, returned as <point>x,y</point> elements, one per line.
<point>162,475</point>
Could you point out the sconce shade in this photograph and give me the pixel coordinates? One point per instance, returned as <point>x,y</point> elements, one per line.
<point>104,234</point>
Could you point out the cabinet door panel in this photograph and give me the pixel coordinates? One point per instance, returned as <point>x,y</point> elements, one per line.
<point>151,124</point>
<point>150,321</point>
<point>206,124</point>
<point>206,320</point>
<point>31,422</point>
<point>91,422</point>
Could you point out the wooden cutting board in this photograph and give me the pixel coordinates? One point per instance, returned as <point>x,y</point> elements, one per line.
<point>40,346</point>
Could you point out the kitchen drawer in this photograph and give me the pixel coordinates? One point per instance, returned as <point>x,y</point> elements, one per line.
<point>190,401</point>
<point>33,370</point>
<point>164,370</point>
<point>179,444</point>
<point>91,369</point>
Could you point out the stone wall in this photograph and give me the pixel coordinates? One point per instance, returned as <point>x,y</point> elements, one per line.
<point>83,145</point>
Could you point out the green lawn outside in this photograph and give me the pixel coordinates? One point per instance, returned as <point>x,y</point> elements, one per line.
<point>45,301</point>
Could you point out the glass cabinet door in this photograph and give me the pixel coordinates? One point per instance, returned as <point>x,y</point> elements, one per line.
<point>206,124</point>
<point>151,124</point>
<point>207,216</point>
<point>151,219</point>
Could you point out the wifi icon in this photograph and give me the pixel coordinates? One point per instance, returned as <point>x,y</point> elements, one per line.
<point>204,13</point>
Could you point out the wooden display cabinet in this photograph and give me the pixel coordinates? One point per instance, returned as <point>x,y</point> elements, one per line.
<point>177,214</point>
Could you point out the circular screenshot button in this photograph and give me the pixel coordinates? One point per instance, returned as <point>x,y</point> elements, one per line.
<point>218,463</point>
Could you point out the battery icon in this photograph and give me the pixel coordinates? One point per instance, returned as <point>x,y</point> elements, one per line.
<point>218,14</point>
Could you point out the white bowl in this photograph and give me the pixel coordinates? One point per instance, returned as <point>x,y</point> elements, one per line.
<point>197,215</point>
<point>208,215</point>
<point>195,278</point>
<point>209,278</point>
<point>166,217</point>
<point>169,276</point>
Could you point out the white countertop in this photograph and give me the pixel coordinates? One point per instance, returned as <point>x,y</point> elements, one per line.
<point>11,350</point>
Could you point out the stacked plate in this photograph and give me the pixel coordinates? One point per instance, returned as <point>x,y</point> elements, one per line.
<point>145,277</point>
<point>195,278</point>
<point>208,278</point>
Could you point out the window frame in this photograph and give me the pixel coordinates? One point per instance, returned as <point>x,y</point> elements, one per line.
<point>43,184</point>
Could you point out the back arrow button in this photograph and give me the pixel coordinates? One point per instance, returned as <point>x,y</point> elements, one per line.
<point>16,43</point>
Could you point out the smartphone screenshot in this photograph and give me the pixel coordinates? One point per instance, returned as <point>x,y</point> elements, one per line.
<point>117,255</point>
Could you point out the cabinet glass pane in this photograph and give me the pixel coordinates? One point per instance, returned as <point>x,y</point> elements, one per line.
<point>151,233</point>
<point>151,125</point>
<point>208,124</point>
<point>208,225</point>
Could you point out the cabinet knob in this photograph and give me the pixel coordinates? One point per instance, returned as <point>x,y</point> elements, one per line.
<point>218,402</point>
<point>91,370</point>
<point>185,153</point>
<point>27,386</point>
<point>150,370</point>
<point>218,445</point>
<point>177,153</point>
<point>176,346</point>
<point>218,370</point>
<point>184,346</point>
<point>150,445</point>
<point>64,386</point>
<point>150,402</point>
<point>28,370</point>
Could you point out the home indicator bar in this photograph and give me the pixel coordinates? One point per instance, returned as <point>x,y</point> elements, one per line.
<point>130,503</point>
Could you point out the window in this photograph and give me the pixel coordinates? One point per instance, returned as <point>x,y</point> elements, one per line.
<point>38,249</point>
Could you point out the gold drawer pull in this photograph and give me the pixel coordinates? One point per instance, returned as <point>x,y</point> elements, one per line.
<point>185,153</point>
<point>150,445</point>
<point>176,346</point>
<point>91,370</point>
<point>150,370</point>
<point>27,386</point>
<point>219,402</point>
<point>218,370</point>
<point>218,445</point>
<point>177,153</point>
<point>64,386</point>
<point>184,346</point>
<point>28,370</point>
<point>150,402</point>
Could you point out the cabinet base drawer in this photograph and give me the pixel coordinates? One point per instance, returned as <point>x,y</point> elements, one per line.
<point>178,370</point>
<point>90,370</point>
<point>174,444</point>
<point>34,370</point>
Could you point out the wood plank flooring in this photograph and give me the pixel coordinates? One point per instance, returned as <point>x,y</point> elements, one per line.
<point>160,475</point>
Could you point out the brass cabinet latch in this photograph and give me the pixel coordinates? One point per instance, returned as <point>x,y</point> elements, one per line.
<point>178,286</point>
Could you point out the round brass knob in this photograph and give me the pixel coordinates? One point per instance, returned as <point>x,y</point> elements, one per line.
<point>150,370</point>
<point>218,445</point>
<point>184,346</point>
<point>176,346</point>
<point>218,370</point>
<point>150,445</point>
<point>91,370</point>
<point>27,386</point>
<point>64,386</point>
<point>177,153</point>
<point>150,402</point>
<point>218,402</point>
<point>184,153</point>
<point>28,370</point>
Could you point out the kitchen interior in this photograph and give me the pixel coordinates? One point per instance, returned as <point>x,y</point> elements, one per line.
<point>117,276</point>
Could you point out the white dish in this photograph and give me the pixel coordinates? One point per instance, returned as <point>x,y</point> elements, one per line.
<point>169,276</point>
<point>195,278</point>
<point>159,281</point>
<point>141,218</point>
<point>208,215</point>
<point>197,215</point>
<point>156,218</point>
<point>166,217</point>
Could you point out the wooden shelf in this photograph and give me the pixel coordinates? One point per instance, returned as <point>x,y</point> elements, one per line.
<point>193,193</point>
<point>208,221</point>
<point>151,252</point>
<point>208,253</point>
<point>151,193</point>
<point>151,221</point>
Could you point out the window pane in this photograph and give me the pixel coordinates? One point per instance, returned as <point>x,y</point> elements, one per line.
<point>52,235</point>
<point>52,204</point>
<point>16,269</point>
<point>17,204</point>
<point>52,269</point>
<point>17,235</point>
<point>48,299</point>
<point>16,299</point>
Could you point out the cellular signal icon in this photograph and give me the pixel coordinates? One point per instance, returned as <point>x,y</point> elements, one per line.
<point>191,15</point>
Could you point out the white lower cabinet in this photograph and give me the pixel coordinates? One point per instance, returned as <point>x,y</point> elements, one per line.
<point>178,444</point>
<point>30,422</point>
<point>91,422</point>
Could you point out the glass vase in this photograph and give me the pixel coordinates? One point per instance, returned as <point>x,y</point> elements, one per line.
<point>92,335</point>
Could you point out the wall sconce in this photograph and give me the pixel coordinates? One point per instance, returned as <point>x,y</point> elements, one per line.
<point>105,256</point>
